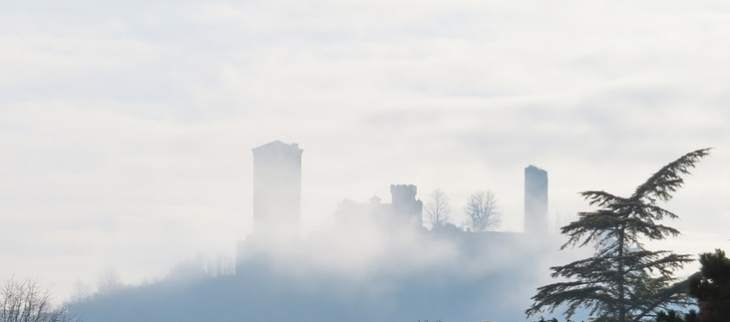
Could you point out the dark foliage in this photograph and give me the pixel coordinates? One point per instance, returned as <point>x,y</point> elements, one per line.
<point>711,287</point>
<point>542,319</point>
<point>623,281</point>
<point>675,316</point>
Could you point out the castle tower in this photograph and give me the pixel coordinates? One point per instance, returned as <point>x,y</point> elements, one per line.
<point>406,206</point>
<point>277,182</point>
<point>536,200</point>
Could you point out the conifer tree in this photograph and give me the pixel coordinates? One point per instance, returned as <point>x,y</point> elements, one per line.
<point>622,281</point>
<point>711,287</point>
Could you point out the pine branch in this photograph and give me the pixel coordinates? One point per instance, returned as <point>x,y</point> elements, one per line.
<point>668,179</point>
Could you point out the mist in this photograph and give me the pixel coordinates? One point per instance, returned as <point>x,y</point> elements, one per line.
<point>379,262</point>
<point>126,128</point>
<point>362,276</point>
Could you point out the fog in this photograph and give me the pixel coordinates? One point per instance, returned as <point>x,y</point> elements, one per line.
<point>126,130</point>
<point>367,274</point>
<point>378,263</point>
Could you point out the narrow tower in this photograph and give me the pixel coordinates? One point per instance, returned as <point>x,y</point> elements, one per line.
<point>277,186</point>
<point>536,200</point>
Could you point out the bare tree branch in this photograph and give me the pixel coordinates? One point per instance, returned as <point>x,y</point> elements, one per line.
<point>438,209</point>
<point>482,212</point>
<point>25,301</point>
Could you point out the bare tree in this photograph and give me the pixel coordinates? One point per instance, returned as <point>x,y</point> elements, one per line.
<point>81,291</point>
<point>25,301</point>
<point>109,281</point>
<point>438,209</point>
<point>220,265</point>
<point>482,212</point>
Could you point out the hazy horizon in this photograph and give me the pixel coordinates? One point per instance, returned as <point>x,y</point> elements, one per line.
<point>127,126</point>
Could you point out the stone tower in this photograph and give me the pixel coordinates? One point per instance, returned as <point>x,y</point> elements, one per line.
<point>277,186</point>
<point>536,200</point>
<point>406,208</point>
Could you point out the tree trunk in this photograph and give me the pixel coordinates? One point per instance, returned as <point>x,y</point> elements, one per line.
<point>621,304</point>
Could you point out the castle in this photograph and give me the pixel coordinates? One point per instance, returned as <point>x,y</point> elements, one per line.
<point>405,211</point>
<point>277,200</point>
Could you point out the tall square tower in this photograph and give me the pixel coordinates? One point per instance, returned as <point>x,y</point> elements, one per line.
<point>277,186</point>
<point>536,200</point>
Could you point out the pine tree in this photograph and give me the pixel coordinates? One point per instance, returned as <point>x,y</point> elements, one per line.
<point>711,287</point>
<point>622,281</point>
<point>675,316</point>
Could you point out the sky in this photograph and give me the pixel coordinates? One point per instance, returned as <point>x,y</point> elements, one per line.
<point>126,127</point>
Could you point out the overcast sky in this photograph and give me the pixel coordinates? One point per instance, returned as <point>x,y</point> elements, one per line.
<point>126,127</point>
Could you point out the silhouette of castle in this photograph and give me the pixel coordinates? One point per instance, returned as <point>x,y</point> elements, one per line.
<point>405,211</point>
<point>277,191</point>
<point>536,200</point>
<point>277,199</point>
<point>379,243</point>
